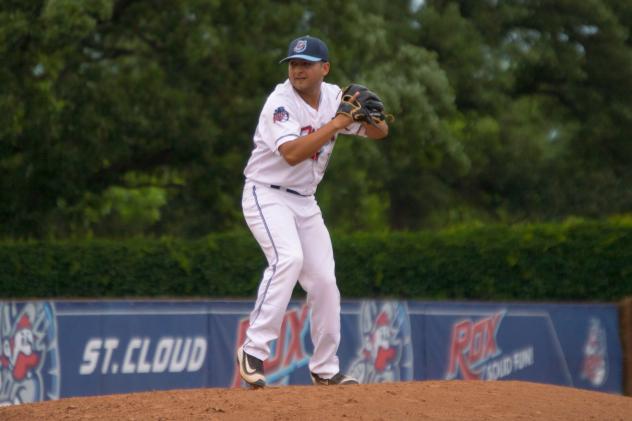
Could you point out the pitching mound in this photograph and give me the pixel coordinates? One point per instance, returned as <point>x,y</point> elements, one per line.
<point>432,400</point>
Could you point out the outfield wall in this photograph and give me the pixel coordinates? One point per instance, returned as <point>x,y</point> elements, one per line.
<point>625,320</point>
<point>57,349</point>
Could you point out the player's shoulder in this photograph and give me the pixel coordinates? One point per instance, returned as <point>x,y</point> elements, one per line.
<point>281,95</point>
<point>283,91</point>
<point>331,89</point>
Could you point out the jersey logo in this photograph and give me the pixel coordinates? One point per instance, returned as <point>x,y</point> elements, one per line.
<point>307,130</point>
<point>300,46</point>
<point>280,115</point>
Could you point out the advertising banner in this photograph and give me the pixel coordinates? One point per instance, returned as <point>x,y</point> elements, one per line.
<point>56,349</point>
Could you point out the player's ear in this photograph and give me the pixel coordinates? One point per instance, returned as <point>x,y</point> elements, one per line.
<point>325,68</point>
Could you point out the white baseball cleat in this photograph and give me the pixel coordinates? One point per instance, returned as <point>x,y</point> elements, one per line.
<point>250,369</point>
<point>337,379</point>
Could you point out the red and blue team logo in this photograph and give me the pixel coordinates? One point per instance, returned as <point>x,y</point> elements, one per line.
<point>386,352</point>
<point>29,358</point>
<point>594,366</point>
<point>280,115</point>
<point>473,344</point>
<point>300,46</point>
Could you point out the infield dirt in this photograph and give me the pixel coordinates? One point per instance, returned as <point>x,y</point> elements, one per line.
<point>431,400</point>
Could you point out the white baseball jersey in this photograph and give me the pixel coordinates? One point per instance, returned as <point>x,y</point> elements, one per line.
<point>285,117</point>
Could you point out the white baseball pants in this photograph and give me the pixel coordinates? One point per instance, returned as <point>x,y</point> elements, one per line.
<point>292,234</point>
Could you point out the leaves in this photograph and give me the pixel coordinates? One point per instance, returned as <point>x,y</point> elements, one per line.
<point>505,111</point>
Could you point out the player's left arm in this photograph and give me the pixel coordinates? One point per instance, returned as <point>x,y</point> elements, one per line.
<point>366,109</point>
<point>379,131</point>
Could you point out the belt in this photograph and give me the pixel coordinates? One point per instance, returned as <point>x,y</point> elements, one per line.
<point>289,190</point>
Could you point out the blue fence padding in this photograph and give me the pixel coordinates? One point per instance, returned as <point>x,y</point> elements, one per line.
<point>55,349</point>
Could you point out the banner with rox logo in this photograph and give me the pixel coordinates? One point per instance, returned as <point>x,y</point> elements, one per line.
<point>56,349</point>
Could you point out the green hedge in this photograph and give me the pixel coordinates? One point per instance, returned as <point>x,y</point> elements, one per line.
<point>573,261</point>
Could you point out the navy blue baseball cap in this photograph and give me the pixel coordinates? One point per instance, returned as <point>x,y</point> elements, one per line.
<point>307,48</point>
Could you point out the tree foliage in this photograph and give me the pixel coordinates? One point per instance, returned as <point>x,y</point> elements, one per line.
<point>127,117</point>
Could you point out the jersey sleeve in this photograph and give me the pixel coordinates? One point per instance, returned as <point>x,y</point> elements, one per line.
<point>279,123</point>
<point>354,129</point>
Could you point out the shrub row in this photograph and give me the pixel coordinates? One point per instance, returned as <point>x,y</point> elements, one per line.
<point>586,261</point>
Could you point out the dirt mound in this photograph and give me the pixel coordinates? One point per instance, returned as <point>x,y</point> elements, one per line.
<point>431,400</point>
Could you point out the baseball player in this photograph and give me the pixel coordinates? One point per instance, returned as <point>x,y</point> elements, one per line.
<point>293,142</point>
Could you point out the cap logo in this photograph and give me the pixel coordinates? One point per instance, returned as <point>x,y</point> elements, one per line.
<point>300,46</point>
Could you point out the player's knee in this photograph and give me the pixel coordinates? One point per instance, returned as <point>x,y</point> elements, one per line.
<point>291,260</point>
<point>333,292</point>
<point>327,290</point>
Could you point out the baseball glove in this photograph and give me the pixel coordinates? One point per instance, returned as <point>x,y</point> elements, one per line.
<point>367,107</point>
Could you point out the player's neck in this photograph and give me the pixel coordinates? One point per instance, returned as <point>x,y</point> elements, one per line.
<point>312,98</point>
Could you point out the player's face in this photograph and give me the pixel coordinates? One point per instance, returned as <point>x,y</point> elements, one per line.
<point>306,76</point>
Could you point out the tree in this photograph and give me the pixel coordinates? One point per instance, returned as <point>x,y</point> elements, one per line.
<point>127,117</point>
<point>561,114</point>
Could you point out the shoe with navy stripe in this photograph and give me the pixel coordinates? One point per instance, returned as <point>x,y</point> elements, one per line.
<point>250,369</point>
<point>337,379</point>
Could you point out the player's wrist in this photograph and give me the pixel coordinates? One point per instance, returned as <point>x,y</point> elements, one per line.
<point>341,121</point>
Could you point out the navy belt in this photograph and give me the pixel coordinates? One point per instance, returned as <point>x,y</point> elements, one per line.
<point>289,190</point>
